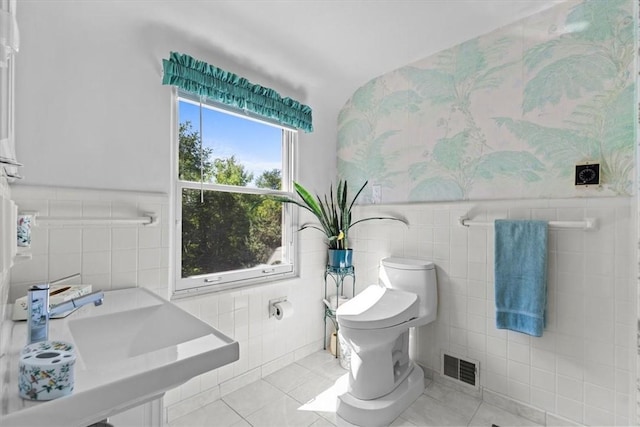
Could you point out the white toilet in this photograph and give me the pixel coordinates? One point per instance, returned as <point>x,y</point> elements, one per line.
<point>383,381</point>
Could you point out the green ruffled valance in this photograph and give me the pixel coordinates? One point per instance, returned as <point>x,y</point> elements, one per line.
<point>203,79</point>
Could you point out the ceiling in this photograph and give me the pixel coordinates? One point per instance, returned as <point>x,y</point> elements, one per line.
<point>329,48</point>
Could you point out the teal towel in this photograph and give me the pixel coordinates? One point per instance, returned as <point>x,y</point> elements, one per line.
<point>521,275</point>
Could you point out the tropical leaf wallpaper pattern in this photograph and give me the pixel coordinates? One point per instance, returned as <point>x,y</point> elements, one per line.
<point>505,115</point>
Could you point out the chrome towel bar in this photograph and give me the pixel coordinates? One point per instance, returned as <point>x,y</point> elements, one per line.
<point>149,219</point>
<point>586,224</point>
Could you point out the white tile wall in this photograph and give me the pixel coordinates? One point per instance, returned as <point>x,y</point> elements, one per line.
<point>5,313</point>
<point>266,344</point>
<point>582,368</point>
<point>107,256</point>
<point>5,193</point>
<point>111,257</point>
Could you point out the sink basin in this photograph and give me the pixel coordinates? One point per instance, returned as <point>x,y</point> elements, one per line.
<point>130,350</point>
<point>119,336</point>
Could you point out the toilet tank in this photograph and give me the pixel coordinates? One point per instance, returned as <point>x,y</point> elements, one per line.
<point>412,275</point>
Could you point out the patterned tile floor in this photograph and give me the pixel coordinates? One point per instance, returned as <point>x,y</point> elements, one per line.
<point>302,395</point>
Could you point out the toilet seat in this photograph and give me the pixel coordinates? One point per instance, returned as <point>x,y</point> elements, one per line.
<point>378,307</point>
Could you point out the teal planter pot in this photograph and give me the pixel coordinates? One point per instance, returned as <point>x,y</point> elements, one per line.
<point>340,258</point>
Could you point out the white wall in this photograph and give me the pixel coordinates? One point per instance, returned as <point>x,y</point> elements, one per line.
<point>583,367</point>
<point>91,114</point>
<point>91,111</point>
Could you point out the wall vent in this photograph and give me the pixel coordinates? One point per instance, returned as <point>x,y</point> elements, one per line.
<point>459,369</point>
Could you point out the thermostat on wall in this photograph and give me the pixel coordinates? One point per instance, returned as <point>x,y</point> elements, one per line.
<point>588,174</point>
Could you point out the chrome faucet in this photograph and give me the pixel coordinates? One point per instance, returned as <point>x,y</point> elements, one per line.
<point>39,311</point>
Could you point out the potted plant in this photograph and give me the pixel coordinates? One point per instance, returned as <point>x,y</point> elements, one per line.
<point>333,213</point>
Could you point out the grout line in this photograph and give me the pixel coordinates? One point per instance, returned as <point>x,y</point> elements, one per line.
<point>229,406</point>
<point>475,412</point>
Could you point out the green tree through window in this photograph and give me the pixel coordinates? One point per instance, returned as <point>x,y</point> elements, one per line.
<point>224,230</point>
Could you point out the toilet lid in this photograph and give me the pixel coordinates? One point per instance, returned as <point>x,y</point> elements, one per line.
<point>378,307</point>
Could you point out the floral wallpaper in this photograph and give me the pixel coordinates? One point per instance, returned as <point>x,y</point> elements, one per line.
<point>505,115</point>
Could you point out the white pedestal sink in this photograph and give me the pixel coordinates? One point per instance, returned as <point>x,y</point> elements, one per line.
<point>131,350</point>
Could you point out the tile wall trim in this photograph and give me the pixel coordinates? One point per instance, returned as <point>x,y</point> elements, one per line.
<point>511,405</point>
<point>506,403</point>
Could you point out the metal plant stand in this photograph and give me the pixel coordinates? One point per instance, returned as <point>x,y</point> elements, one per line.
<point>338,275</point>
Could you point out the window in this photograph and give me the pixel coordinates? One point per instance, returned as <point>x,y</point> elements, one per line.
<point>230,232</point>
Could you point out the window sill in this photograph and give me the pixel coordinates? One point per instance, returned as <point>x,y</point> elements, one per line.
<point>251,283</point>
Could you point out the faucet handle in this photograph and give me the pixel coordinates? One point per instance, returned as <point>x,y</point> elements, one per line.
<point>94,297</point>
<point>39,287</point>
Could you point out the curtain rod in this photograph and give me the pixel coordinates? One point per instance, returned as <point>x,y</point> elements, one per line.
<point>586,224</point>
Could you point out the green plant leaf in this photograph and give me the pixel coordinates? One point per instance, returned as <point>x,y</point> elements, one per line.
<point>490,79</point>
<point>540,53</point>
<point>596,19</point>
<point>436,188</point>
<point>363,98</point>
<point>618,124</point>
<point>416,170</point>
<point>351,171</point>
<point>569,77</point>
<point>469,60</point>
<point>372,160</point>
<point>449,152</point>
<point>517,164</point>
<point>405,100</point>
<point>434,85</point>
<point>354,131</point>
<point>561,147</point>
<point>333,212</point>
<point>390,218</point>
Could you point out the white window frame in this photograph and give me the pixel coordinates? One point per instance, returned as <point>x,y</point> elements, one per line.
<point>214,282</point>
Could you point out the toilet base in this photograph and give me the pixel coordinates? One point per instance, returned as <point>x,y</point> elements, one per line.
<point>382,411</point>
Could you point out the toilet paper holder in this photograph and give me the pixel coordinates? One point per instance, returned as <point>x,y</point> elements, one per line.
<point>272,305</point>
